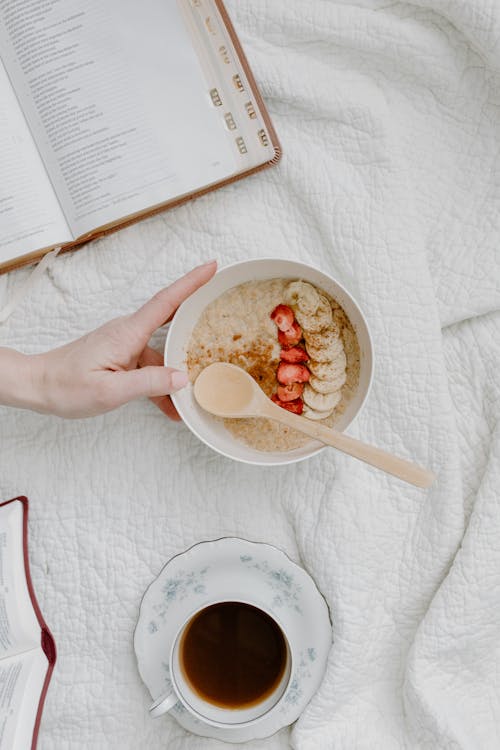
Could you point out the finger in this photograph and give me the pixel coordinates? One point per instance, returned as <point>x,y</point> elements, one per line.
<point>147,381</point>
<point>151,357</point>
<point>157,310</point>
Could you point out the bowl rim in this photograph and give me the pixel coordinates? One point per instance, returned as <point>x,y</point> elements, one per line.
<point>295,459</point>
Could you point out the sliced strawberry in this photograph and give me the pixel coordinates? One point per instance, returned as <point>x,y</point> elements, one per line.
<point>290,392</point>
<point>294,355</point>
<point>296,406</point>
<point>291,336</point>
<point>283,316</point>
<point>288,373</point>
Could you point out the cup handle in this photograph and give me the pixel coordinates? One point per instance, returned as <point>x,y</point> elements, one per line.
<point>163,704</point>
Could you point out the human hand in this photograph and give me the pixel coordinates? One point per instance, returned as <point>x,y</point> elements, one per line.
<point>114,364</point>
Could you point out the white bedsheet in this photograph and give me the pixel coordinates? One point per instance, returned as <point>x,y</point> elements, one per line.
<point>389,115</point>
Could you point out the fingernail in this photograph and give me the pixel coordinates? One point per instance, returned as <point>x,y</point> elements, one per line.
<point>179,379</point>
<point>209,262</point>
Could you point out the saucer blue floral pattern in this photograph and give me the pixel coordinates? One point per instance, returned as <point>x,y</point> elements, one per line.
<point>233,569</point>
<point>281,581</point>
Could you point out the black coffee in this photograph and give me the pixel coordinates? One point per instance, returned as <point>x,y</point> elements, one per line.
<point>233,655</point>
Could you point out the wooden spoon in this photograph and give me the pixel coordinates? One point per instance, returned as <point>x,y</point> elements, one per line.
<point>228,391</point>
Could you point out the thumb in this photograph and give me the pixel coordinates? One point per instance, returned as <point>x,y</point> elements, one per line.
<point>149,381</point>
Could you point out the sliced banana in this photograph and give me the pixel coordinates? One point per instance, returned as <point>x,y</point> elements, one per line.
<point>316,415</point>
<point>303,297</point>
<point>325,345</point>
<point>327,386</point>
<point>331,333</point>
<point>321,318</point>
<point>320,401</point>
<point>330,370</point>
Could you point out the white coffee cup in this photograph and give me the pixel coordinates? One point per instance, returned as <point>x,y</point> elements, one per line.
<point>206,711</point>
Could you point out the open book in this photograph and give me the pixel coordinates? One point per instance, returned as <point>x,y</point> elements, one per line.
<point>111,111</point>
<point>27,649</point>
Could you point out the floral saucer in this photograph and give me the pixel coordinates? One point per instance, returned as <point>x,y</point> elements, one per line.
<point>233,569</point>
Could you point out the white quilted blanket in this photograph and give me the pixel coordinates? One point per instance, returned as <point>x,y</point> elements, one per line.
<point>389,115</point>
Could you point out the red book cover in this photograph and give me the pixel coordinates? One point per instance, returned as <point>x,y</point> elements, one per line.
<point>46,640</point>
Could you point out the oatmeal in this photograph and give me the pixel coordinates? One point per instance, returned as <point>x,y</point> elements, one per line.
<point>294,340</point>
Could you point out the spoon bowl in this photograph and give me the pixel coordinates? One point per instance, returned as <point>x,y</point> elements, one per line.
<point>226,390</point>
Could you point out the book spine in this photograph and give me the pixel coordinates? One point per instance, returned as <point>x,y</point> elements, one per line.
<point>48,645</point>
<point>46,639</point>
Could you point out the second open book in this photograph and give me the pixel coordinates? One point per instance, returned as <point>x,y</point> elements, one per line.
<point>113,110</point>
<point>27,649</point>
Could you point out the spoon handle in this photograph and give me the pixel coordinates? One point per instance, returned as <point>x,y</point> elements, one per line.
<point>398,467</point>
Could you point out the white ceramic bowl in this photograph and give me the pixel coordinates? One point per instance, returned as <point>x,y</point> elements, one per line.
<point>206,427</point>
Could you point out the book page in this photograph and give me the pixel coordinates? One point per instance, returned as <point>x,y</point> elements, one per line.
<point>117,102</point>
<point>30,215</point>
<point>19,627</point>
<point>21,684</point>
